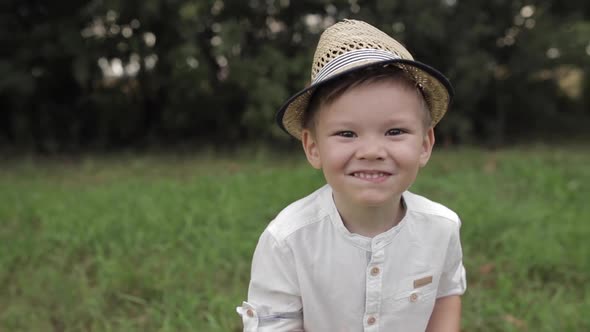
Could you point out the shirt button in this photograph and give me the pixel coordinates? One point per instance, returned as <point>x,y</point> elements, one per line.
<point>250,313</point>
<point>371,320</point>
<point>375,271</point>
<point>413,297</point>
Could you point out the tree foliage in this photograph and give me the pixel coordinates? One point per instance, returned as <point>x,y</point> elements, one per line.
<point>112,73</point>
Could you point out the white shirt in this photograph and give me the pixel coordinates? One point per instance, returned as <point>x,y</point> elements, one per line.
<point>309,272</point>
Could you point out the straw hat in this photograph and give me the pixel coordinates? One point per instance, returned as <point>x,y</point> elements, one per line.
<point>351,45</point>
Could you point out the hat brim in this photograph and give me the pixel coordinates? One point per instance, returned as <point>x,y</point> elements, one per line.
<point>434,84</point>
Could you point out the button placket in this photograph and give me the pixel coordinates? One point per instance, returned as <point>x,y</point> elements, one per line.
<point>373,289</point>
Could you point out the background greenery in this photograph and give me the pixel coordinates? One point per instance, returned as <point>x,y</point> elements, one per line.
<point>164,243</point>
<point>105,74</point>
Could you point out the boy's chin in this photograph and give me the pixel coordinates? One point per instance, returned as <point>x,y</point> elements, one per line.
<point>375,200</point>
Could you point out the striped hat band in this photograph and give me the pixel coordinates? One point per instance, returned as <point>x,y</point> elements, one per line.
<point>353,57</point>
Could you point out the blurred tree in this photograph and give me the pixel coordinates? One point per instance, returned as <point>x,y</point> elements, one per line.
<point>112,73</point>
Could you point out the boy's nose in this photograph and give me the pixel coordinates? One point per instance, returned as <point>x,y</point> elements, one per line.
<point>371,149</point>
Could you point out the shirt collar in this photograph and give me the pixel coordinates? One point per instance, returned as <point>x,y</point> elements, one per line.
<point>366,243</point>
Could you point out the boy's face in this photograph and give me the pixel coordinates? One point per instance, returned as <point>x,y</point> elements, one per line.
<point>370,143</point>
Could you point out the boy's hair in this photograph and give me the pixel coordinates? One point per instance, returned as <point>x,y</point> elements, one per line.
<point>329,92</point>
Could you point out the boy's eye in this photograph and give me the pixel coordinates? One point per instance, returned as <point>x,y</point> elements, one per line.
<point>394,132</point>
<point>345,133</point>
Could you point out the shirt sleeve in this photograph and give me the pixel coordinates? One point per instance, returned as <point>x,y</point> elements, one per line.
<point>453,280</point>
<point>274,301</point>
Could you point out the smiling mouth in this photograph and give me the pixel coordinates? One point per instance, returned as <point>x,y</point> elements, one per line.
<point>370,175</point>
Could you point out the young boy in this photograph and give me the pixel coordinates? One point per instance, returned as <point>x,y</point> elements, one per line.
<point>361,253</point>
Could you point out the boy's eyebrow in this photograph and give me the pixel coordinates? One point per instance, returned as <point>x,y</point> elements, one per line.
<point>341,123</point>
<point>389,120</point>
<point>385,125</point>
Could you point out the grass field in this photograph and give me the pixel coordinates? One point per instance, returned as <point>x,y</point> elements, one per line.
<point>161,243</point>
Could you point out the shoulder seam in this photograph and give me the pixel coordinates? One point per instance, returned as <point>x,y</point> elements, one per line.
<point>456,220</point>
<point>281,236</point>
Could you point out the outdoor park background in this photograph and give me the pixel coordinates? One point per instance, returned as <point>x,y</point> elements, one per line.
<point>140,161</point>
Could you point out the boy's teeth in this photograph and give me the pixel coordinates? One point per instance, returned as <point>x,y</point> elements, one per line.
<point>369,175</point>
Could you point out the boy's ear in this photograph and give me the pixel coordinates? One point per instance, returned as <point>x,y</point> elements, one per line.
<point>427,144</point>
<point>310,146</point>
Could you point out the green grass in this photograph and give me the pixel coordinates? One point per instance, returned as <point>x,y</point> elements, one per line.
<point>164,243</point>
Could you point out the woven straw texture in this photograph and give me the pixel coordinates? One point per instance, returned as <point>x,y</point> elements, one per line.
<point>350,35</point>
